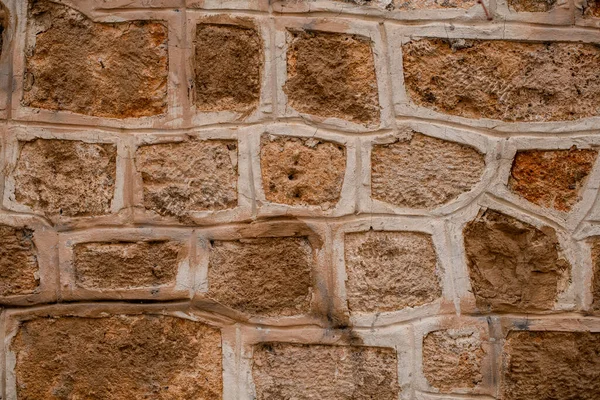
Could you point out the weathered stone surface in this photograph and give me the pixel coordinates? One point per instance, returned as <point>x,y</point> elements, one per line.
<point>303,372</point>
<point>506,80</point>
<point>120,357</point>
<point>452,359</point>
<point>551,178</point>
<point>116,70</point>
<point>299,171</point>
<point>531,5</point>
<point>267,276</point>
<point>3,25</point>
<point>388,271</point>
<point>423,172</point>
<point>595,245</point>
<point>433,4</point>
<point>19,270</point>
<point>228,67</point>
<point>591,9</point>
<point>125,265</point>
<point>513,266</point>
<point>551,365</point>
<point>66,177</point>
<point>332,75</point>
<point>190,176</point>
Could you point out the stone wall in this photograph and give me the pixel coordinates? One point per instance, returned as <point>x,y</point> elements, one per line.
<point>299,199</point>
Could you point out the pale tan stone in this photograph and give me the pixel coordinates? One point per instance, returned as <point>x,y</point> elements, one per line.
<point>388,271</point>
<point>423,172</point>
<point>303,372</point>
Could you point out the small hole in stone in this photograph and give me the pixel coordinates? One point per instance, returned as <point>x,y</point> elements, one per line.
<point>291,177</point>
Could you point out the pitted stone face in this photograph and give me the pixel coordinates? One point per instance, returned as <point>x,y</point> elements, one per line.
<point>115,70</point>
<point>532,5</point>
<point>228,65</point>
<point>299,171</point>
<point>3,25</point>
<point>332,75</point>
<point>452,359</point>
<point>389,271</point>
<point>423,172</point>
<point>196,175</point>
<point>66,177</point>
<point>118,357</point>
<point>126,265</point>
<point>551,365</point>
<point>264,277</point>
<point>504,80</point>
<point>595,285</point>
<point>303,372</point>
<point>551,178</point>
<point>19,269</point>
<point>513,266</point>
<point>433,4</point>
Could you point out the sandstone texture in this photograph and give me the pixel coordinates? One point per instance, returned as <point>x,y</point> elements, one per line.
<point>452,359</point>
<point>303,372</point>
<point>595,285</point>
<point>531,5</point>
<point>120,357</point>
<point>433,4</point>
<point>116,70</point>
<point>513,266</point>
<point>591,9</point>
<point>423,172</point>
<point>332,75</point>
<point>66,177</point>
<point>388,271</point>
<point>505,80</point>
<point>125,265</point>
<point>19,270</point>
<point>265,277</point>
<point>195,175</point>
<point>551,178</point>
<point>228,67</point>
<point>551,365</point>
<point>3,25</point>
<point>299,171</point>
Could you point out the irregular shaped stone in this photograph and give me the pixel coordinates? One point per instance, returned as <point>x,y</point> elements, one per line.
<point>505,80</point>
<point>595,245</point>
<point>66,177</point>
<point>126,265</point>
<point>591,9</point>
<point>19,270</point>
<point>119,357</point>
<point>513,266</point>
<point>116,70</point>
<point>452,359</point>
<point>551,365</point>
<point>388,271</point>
<point>303,372</point>
<point>332,75</point>
<point>551,178</point>
<point>423,172</point>
<point>531,5</point>
<point>299,171</point>
<point>3,24</point>
<point>196,175</point>
<point>433,4</point>
<point>228,67</point>
<point>267,276</point>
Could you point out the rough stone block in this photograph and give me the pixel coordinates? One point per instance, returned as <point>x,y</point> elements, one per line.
<point>266,276</point>
<point>551,178</point>
<point>433,4</point>
<point>505,80</point>
<point>19,269</point>
<point>298,171</point>
<point>332,75</point>
<point>286,371</point>
<point>3,25</point>
<point>513,266</point>
<point>126,265</point>
<point>531,5</point>
<point>388,271</point>
<point>195,175</point>
<point>551,365</point>
<point>596,274</point>
<point>116,70</point>
<point>423,172</point>
<point>452,359</point>
<point>66,177</point>
<point>120,357</point>
<point>228,66</point>
<point>591,9</point>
